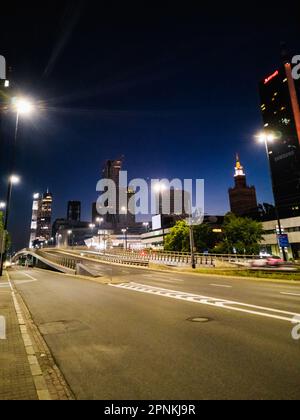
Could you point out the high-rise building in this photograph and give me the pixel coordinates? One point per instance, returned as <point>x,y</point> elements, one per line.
<point>243,201</point>
<point>34,219</point>
<point>280,95</point>
<point>122,217</point>
<point>74,211</point>
<point>44,218</point>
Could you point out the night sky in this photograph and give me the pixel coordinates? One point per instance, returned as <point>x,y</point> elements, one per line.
<point>172,88</point>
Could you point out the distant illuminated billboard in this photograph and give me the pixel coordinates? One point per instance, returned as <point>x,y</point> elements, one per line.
<point>156,222</point>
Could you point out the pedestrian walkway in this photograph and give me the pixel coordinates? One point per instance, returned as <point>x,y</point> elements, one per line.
<point>16,381</point>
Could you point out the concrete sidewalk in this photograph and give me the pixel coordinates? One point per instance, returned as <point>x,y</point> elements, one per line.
<point>16,381</point>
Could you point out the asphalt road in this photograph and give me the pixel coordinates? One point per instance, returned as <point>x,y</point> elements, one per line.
<point>134,340</point>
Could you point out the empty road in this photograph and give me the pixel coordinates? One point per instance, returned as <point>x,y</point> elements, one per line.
<point>136,340</point>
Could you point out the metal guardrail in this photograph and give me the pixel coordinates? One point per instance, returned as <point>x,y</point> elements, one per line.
<point>183,258</point>
<point>142,259</point>
<point>65,260</point>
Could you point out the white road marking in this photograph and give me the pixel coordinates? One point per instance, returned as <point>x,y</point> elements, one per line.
<point>24,281</point>
<point>31,277</point>
<point>290,294</point>
<point>211,301</point>
<point>32,280</point>
<point>2,328</point>
<point>222,285</point>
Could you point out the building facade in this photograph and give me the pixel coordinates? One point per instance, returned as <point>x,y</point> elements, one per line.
<point>290,227</point>
<point>243,200</point>
<point>41,229</point>
<point>74,211</point>
<point>280,95</point>
<point>122,217</point>
<point>34,219</point>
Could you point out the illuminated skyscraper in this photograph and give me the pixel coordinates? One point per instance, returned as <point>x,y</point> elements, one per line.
<point>34,219</point>
<point>41,218</point>
<point>280,95</point>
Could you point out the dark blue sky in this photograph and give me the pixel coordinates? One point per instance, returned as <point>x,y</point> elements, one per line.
<point>172,89</point>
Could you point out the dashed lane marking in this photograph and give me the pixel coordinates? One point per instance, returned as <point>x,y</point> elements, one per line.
<point>211,301</point>
<point>221,285</point>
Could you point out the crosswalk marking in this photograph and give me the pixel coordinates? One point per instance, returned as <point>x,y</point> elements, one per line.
<point>211,301</point>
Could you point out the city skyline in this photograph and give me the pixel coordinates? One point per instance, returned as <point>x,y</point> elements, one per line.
<point>118,115</point>
<point>149,203</point>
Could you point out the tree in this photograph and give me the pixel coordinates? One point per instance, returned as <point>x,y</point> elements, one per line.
<point>178,238</point>
<point>242,235</point>
<point>205,238</point>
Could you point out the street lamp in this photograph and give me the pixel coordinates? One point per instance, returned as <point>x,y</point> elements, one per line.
<point>92,227</point>
<point>70,235</point>
<point>2,205</point>
<point>13,180</point>
<point>267,137</point>
<point>146,226</point>
<point>22,107</point>
<point>124,231</point>
<point>159,188</point>
<point>99,221</point>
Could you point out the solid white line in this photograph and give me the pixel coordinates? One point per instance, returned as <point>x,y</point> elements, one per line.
<point>32,278</point>
<point>37,376</point>
<point>290,294</point>
<point>2,328</point>
<point>222,285</point>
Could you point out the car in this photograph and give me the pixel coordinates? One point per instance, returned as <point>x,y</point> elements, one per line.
<point>271,261</point>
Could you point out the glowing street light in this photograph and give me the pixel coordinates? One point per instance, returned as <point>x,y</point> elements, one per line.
<point>15,180</point>
<point>2,205</point>
<point>22,106</point>
<point>267,137</point>
<point>159,187</point>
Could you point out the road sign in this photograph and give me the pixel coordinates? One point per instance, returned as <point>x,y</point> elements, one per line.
<point>283,241</point>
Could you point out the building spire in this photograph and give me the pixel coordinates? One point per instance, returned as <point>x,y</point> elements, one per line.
<point>239,170</point>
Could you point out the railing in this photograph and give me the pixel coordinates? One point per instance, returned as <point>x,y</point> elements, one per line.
<point>136,258</point>
<point>64,261</point>
<point>73,259</point>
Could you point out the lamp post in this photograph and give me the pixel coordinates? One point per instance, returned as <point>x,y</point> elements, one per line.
<point>21,106</point>
<point>13,180</point>
<point>146,226</point>
<point>99,221</point>
<point>71,235</point>
<point>159,188</point>
<point>124,231</point>
<point>266,138</point>
<point>92,227</point>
